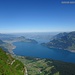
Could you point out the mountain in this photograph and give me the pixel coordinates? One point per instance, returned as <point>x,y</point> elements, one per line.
<point>7,44</point>
<point>58,36</point>
<point>2,45</point>
<point>64,41</point>
<point>6,36</point>
<point>1,42</point>
<point>20,39</point>
<point>9,65</point>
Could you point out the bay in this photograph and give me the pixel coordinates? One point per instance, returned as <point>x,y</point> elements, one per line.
<point>37,50</point>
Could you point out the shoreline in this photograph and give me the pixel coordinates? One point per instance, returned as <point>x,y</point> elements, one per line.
<point>73,51</point>
<point>10,47</point>
<point>11,50</point>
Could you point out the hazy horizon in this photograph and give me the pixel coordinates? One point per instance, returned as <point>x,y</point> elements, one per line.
<point>33,32</point>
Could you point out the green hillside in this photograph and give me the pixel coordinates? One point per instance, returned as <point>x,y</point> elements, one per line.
<point>10,66</point>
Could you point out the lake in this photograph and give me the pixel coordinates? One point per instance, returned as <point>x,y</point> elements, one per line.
<point>37,50</point>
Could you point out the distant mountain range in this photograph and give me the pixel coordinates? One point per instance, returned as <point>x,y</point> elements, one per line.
<point>1,42</point>
<point>20,39</point>
<point>58,36</point>
<point>7,44</point>
<point>62,41</point>
<point>6,36</point>
<point>2,45</point>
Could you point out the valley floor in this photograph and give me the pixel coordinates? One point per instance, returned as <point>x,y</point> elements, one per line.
<point>37,66</point>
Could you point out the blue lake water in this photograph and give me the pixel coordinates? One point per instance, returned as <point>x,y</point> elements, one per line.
<point>37,50</point>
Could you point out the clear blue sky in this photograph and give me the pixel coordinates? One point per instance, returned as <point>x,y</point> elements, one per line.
<point>36,16</point>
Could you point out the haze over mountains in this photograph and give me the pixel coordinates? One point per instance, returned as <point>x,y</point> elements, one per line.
<point>63,41</point>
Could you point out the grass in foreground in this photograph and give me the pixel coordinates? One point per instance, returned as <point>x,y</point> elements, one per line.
<point>9,65</point>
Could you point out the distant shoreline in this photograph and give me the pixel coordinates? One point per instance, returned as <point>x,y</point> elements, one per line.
<point>73,51</point>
